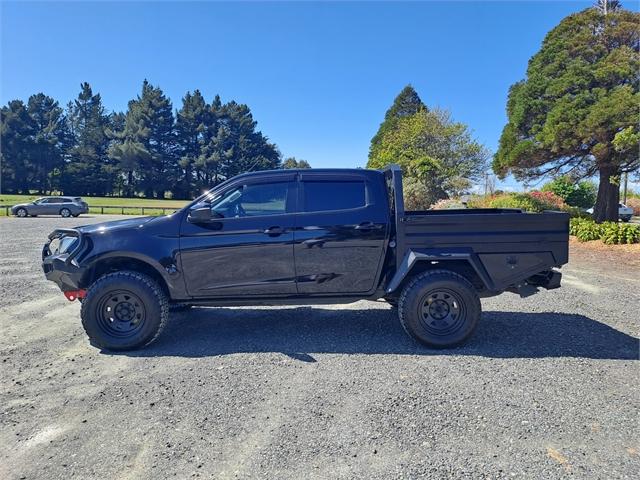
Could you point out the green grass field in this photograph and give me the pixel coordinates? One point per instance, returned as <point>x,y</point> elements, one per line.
<point>106,204</point>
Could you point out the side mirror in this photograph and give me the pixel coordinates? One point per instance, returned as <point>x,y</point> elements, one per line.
<point>200,215</point>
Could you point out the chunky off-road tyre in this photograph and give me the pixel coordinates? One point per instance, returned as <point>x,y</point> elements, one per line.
<point>21,212</point>
<point>123,311</point>
<point>439,308</point>
<point>65,212</point>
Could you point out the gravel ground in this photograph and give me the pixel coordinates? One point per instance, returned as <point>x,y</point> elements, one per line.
<point>547,388</point>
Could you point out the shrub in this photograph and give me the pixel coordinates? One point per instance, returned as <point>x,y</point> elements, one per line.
<point>447,204</point>
<point>582,194</point>
<point>609,232</point>
<point>585,229</point>
<point>619,233</point>
<point>550,200</point>
<point>516,200</point>
<point>531,201</point>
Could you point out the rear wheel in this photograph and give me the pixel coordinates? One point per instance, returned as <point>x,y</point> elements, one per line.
<point>123,311</point>
<point>65,212</point>
<point>21,212</point>
<point>439,308</point>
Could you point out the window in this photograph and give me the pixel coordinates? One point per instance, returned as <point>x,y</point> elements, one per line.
<point>328,195</point>
<point>56,200</point>
<point>252,201</point>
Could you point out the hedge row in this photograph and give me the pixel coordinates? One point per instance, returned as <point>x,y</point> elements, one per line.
<point>609,232</point>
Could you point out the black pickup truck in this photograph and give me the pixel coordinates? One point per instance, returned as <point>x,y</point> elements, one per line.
<point>304,237</point>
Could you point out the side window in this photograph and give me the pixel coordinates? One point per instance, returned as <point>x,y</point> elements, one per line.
<point>328,195</point>
<point>252,200</point>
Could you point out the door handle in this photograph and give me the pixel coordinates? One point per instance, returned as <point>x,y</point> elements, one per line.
<point>274,231</point>
<point>364,226</point>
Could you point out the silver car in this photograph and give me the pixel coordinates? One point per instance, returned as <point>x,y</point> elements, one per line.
<point>63,206</point>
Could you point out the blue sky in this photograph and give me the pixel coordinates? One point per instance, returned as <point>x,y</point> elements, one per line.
<point>317,76</point>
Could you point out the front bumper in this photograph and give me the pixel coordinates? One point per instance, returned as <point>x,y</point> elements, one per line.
<point>62,268</point>
<point>66,275</point>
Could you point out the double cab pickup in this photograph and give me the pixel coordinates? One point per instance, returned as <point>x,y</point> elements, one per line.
<point>304,237</point>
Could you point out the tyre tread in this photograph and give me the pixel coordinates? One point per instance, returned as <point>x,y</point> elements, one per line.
<point>422,277</point>
<point>130,275</point>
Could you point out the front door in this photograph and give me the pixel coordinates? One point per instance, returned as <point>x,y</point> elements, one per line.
<point>247,249</point>
<point>340,234</point>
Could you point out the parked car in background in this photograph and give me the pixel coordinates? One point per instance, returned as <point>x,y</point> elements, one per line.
<point>63,206</point>
<point>624,213</point>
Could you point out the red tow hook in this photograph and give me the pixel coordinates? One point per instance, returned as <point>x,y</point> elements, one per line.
<point>73,294</point>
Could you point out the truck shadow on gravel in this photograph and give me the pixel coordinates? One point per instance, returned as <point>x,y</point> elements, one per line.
<point>304,331</point>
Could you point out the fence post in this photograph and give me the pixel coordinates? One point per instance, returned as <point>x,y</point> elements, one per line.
<point>142,210</point>
<point>102,210</point>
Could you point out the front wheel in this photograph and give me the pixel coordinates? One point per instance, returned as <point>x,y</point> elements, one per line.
<point>439,308</point>
<point>123,311</point>
<point>21,212</point>
<point>65,212</point>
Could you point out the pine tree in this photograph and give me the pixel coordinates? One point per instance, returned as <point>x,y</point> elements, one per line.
<point>128,148</point>
<point>577,111</point>
<point>145,149</point>
<point>47,141</point>
<point>233,145</point>
<point>16,137</point>
<point>87,171</point>
<point>191,122</point>
<point>405,104</point>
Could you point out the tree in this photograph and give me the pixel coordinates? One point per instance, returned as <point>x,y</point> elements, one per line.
<point>16,137</point>
<point>48,138</point>
<point>577,110</point>
<point>407,103</point>
<point>88,170</point>
<point>145,149</point>
<point>191,121</point>
<point>292,162</point>
<point>233,145</point>
<point>434,150</point>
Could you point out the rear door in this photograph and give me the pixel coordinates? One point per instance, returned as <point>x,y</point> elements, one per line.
<point>248,249</point>
<point>340,233</point>
<point>53,206</point>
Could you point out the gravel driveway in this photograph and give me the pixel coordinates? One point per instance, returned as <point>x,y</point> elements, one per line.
<point>547,388</point>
